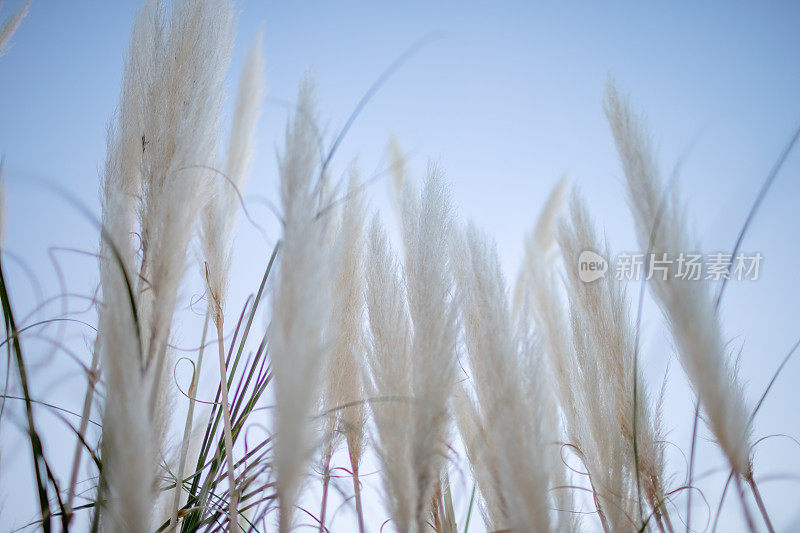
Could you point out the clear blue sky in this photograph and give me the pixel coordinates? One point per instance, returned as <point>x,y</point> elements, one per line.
<point>506,99</point>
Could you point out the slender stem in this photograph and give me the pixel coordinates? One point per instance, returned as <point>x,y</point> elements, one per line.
<point>659,523</point>
<point>37,454</point>
<point>226,416</point>
<point>326,479</point>
<point>284,517</point>
<point>636,405</point>
<point>691,467</point>
<point>87,407</point>
<point>667,521</point>
<point>357,491</point>
<point>761,506</point>
<point>187,428</point>
<point>721,501</point>
<point>469,509</point>
<point>745,509</point>
<point>448,502</point>
<point>600,512</point>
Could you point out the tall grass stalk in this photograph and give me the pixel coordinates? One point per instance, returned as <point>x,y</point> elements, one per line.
<point>228,433</point>
<point>426,227</point>
<point>187,428</point>
<point>511,443</point>
<point>163,137</point>
<point>86,412</point>
<point>182,145</point>
<point>538,300</point>
<point>388,377</point>
<point>218,223</point>
<point>343,394</point>
<point>300,304</point>
<point>688,307</point>
<point>606,352</point>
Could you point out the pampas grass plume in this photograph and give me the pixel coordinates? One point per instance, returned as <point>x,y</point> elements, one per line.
<point>509,443</point>
<point>426,229</point>
<point>388,381</point>
<point>300,306</point>
<point>688,306</point>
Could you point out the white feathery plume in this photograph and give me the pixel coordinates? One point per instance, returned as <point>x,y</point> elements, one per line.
<point>543,234</point>
<point>539,242</point>
<point>536,293</point>
<point>130,448</point>
<point>300,305</point>
<point>345,415</point>
<point>509,411</point>
<point>130,454</point>
<point>10,26</point>
<point>426,229</point>
<point>165,132</point>
<point>398,169</point>
<point>605,354</point>
<point>688,306</point>
<point>473,435</point>
<point>218,222</point>
<point>541,399</point>
<point>330,437</point>
<point>179,146</point>
<point>388,380</point>
<point>601,449</point>
<point>221,211</point>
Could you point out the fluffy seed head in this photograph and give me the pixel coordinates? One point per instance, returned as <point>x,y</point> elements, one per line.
<point>688,306</point>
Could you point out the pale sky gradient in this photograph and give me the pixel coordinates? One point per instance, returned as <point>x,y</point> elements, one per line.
<point>506,99</point>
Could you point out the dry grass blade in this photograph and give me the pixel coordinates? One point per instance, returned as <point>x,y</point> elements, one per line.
<point>42,472</point>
